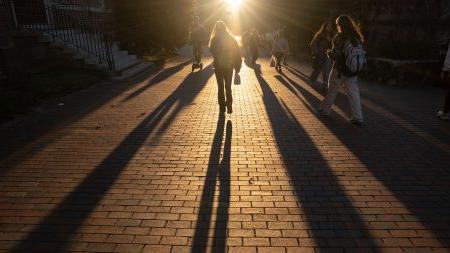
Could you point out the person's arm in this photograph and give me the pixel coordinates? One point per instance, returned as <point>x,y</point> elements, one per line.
<point>312,46</point>
<point>213,47</point>
<point>446,67</point>
<point>286,47</point>
<point>237,55</point>
<point>334,51</point>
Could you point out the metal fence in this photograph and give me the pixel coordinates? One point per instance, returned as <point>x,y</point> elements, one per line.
<point>6,16</point>
<point>75,24</point>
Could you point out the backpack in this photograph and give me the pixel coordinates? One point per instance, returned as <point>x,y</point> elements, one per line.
<point>355,57</point>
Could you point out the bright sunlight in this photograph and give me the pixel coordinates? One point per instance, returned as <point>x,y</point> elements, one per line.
<point>234,4</point>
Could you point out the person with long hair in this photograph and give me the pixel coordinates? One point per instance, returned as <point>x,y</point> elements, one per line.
<point>349,36</point>
<point>319,46</point>
<point>226,54</point>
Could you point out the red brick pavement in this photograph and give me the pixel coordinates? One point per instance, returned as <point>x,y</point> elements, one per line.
<point>150,166</point>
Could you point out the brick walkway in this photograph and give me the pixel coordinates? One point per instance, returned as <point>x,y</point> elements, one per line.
<point>149,166</point>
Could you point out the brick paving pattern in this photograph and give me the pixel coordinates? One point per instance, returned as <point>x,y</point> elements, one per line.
<point>151,166</point>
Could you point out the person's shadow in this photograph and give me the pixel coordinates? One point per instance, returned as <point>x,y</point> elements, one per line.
<point>56,231</point>
<point>217,171</point>
<point>160,77</point>
<point>327,209</point>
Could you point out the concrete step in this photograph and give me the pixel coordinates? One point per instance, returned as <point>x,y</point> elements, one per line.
<point>120,53</point>
<point>123,65</point>
<point>133,71</point>
<point>122,59</point>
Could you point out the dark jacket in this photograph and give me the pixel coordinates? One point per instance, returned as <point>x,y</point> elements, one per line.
<point>338,55</point>
<point>226,53</point>
<point>198,35</point>
<point>254,41</point>
<point>319,45</point>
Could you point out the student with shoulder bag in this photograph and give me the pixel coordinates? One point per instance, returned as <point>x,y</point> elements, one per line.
<point>349,59</point>
<point>227,57</point>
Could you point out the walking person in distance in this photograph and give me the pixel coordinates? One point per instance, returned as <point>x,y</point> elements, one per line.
<point>226,54</point>
<point>280,49</point>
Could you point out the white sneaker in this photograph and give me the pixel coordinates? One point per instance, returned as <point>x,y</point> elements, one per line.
<point>443,116</point>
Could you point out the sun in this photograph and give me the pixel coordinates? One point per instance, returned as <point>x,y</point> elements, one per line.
<point>234,4</point>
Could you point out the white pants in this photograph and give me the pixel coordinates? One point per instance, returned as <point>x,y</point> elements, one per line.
<point>326,70</point>
<point>352,90</point>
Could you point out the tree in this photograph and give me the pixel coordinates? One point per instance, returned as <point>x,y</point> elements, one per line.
<point>147,26</point>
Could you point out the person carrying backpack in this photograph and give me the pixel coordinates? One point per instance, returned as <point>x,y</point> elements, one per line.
<point>444,114</point>
<point>227,56</point>
<point>349,59</point>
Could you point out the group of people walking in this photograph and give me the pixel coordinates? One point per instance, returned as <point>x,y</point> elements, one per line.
<point>251,42</point>
<point>338,53</point>
<point>277,42</point>
<point>347,59</point>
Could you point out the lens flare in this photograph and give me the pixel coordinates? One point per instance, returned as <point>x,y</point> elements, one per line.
<point>234,4</point>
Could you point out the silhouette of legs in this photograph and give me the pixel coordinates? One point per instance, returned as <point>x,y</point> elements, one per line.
<point>224,78</point>
<point>352,90</point>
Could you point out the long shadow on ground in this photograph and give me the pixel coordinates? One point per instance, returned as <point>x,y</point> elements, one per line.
<point>161,76</point>
<point>22,140</point>
<point>414,171</point>
<point>217,171</point>
<point>386,100</point>
<point>332,219</point>
<point>56,230</point>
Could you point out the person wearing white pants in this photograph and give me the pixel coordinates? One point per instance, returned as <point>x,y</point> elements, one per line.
<point>326,71</point>
<point>341,75</point>
<point>351,87</point>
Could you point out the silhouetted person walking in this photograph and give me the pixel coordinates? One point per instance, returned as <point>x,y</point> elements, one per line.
<point>246,43</point>
<point>226,54</point>
<point>349,59</point>
<point>198,37</point>
<point>444,114</point>
<point>319,46</point>
<point>254,46</point>
<point>280,49</point>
